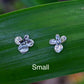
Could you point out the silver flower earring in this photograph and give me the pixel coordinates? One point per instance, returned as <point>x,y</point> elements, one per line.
<point>24,44</point>
<point>57,42</point>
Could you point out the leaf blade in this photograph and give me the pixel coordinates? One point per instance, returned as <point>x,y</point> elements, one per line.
<point>42,23</point>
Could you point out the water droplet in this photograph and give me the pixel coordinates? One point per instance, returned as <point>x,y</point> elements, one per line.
<point>58,48</point>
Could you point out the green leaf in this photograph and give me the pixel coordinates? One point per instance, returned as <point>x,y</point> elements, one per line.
<point>30,3</point>
<point>42,23</point>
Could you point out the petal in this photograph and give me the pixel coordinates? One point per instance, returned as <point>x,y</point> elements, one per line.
<point>30,43</point>
<point>58,48</point>
<point>26,37</point>
<point>63,39</point>
<point>17,40</point>
<point>58,39</point>
<point>23,48</point>
<point>52,42</point>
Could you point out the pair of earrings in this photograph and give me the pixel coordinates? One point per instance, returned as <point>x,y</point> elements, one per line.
<point>26,42</point>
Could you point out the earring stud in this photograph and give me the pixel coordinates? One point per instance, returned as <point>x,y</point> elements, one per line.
<point>24,43</point>
<point>58,42</point>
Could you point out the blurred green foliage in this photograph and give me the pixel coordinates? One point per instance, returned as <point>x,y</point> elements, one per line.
<point>1,11</point>
<point>30,3</point>
<point>19,5</point>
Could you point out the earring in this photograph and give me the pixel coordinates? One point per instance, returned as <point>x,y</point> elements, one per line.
<point>57,42</point>
<point>24,43</point>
